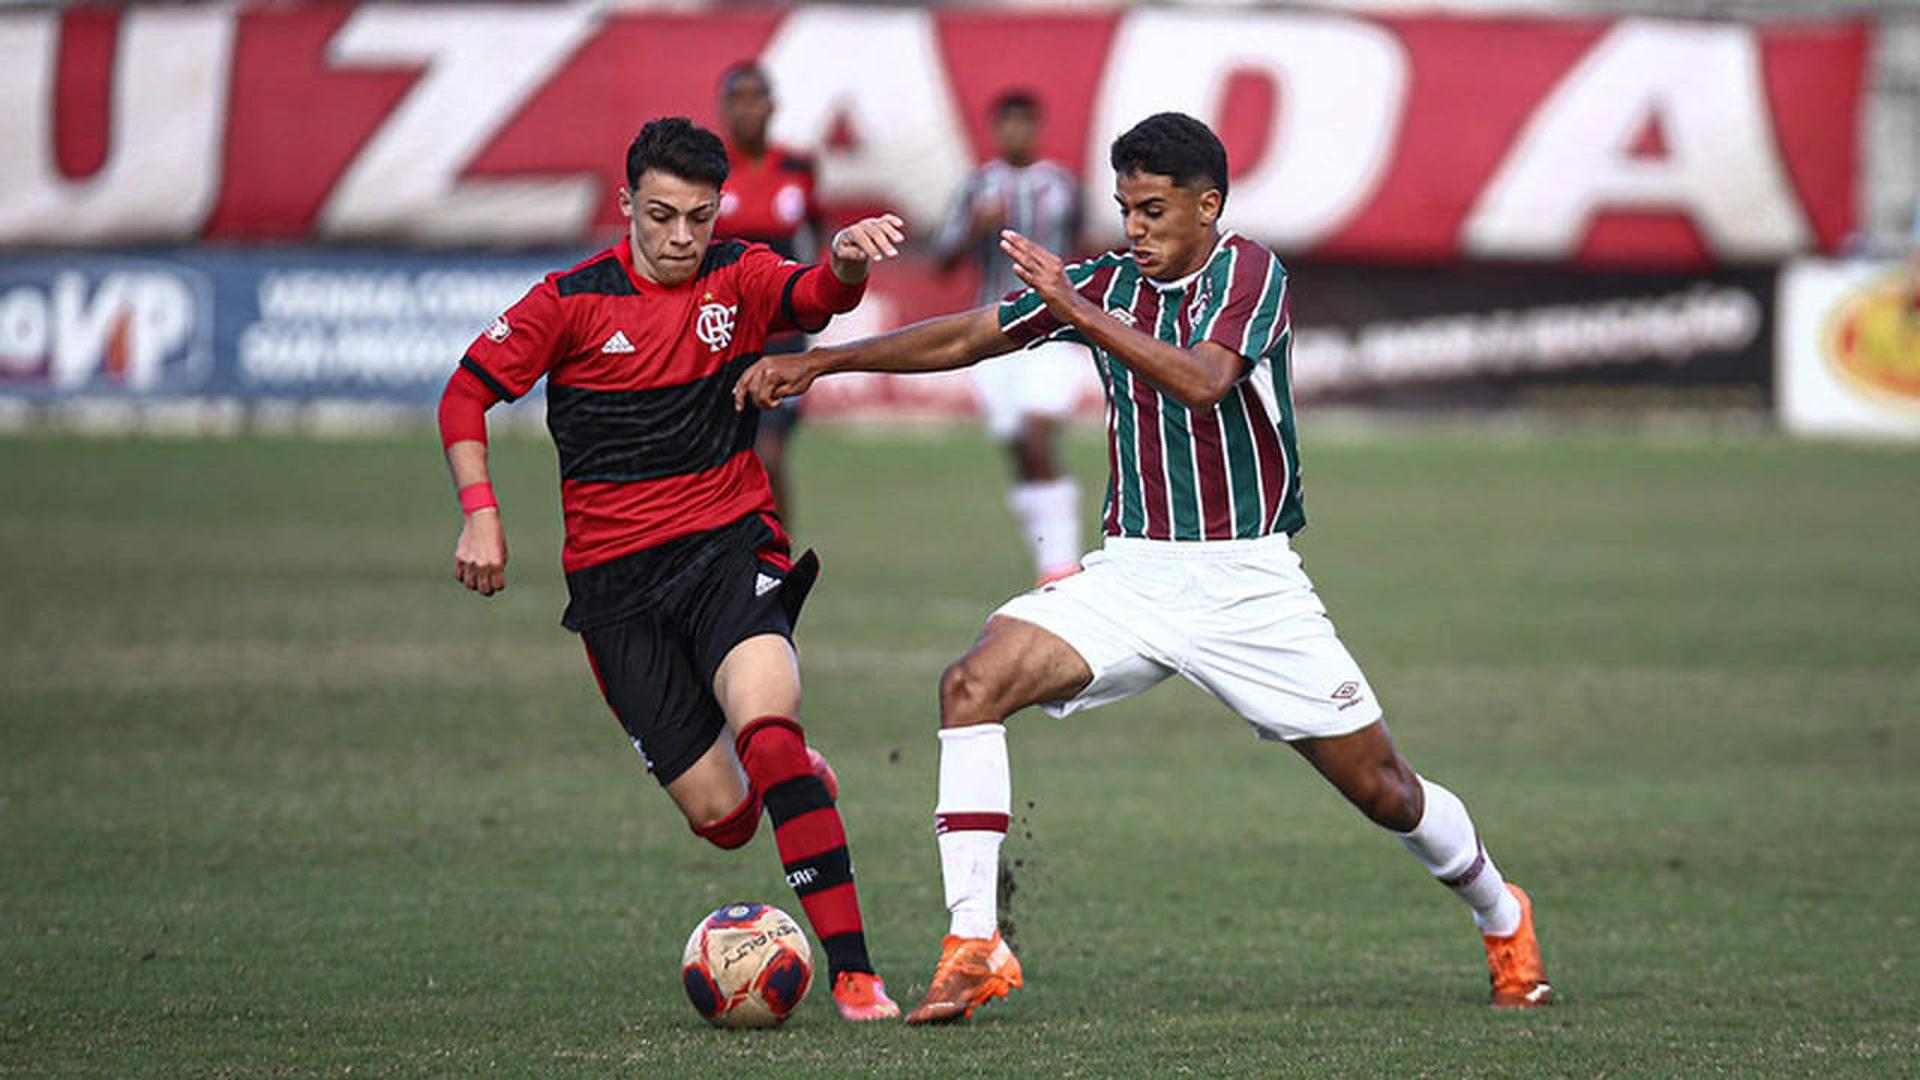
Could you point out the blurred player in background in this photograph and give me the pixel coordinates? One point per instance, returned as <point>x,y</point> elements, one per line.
<point>767,199</point>
<point>1024,397</point>
<point>1192,335</point>
<point>679,580</point>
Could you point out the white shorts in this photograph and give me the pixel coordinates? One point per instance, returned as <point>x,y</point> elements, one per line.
<point>1045,380</point>
<point>1237,618</point>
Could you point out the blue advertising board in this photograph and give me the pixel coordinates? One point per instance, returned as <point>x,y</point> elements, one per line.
<point>275,324</point>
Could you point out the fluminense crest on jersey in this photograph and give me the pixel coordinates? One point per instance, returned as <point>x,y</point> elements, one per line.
<point>1226,472</point>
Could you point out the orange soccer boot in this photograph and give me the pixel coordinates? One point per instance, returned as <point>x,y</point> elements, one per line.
<point>1514,963</point>
<point>862,996</point>
<point>972,972</point>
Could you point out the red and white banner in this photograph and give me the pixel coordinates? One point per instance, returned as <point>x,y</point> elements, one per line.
<point>1633,142</point>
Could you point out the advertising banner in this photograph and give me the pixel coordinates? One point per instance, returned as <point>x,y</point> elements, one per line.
<point>1493,336</point>
<point>1849,349</point>
<point>249,325</point>
<point>1642,143</point>
<point>385,327</point>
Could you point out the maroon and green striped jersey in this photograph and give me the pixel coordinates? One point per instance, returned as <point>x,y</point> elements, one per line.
<point>1230,472</point>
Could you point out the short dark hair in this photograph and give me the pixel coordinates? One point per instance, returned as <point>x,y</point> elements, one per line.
<point>678,147</point>
<point>744,69</point>
<point>1175,145</point>
<point>1016,99</point>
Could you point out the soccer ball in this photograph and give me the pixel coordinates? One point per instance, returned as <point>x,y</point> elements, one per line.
<point>746,966</point>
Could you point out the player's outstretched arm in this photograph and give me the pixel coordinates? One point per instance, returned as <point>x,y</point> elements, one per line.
<point>951,341</point>
<point>480,555</point>
<point>1197,377</point>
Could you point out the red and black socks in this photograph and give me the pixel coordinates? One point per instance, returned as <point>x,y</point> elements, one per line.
<point>808,831</point>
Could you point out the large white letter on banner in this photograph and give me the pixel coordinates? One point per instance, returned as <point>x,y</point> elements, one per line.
<point>882,71</point>
<point>1574,159</point>
<point>168,119</point>
<point>483,63</point>
<point>1342,85</point>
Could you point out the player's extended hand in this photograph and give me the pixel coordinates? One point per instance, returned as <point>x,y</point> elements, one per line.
<point>1042,270</point>
<point>868,240</point>
<point>480,557</point>
<point>774,379</point>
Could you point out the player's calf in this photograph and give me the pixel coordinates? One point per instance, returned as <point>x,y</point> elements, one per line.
<point>810,836</point>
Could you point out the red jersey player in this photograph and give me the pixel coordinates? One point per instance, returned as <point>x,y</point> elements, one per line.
<point>768,198</point>
<point>678,575</point>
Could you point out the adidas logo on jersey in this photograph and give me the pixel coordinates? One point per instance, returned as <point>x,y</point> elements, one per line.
<point>764,584</point>
<point>618,343</point>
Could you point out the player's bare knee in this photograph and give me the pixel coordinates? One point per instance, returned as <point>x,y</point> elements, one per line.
<point>1390,797</point>
<point>728,829</point>
<point>966,697</point>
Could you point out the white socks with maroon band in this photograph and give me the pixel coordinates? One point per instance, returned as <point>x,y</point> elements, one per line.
<point>1049,517</point>
<point>1447,844</point>
<point>970,821</point>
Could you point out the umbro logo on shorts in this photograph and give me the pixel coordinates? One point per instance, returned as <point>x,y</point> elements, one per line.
<point>1347,694</point>
<point>618,343</point>
<point>764,584</point>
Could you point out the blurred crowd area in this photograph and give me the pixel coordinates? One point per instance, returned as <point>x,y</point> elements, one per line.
<point>281,208</point>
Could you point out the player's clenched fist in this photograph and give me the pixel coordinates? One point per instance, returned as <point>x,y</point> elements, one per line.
<point>480,556</point>
<point>775,378</point>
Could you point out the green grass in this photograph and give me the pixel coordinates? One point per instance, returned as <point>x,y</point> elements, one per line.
<point>276,797</point>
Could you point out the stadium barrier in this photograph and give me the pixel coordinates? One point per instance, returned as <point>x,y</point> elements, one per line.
<point>266,332</point>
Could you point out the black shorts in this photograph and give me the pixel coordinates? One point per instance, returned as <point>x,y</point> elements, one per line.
<point>655,663</point>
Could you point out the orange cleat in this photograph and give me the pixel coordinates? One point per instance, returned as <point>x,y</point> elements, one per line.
<point>862,996</point>
<point>1514,963</point>
<point>972,972</point>
<point>818,762</point>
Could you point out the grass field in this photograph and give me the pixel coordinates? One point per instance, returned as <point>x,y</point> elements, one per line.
<point>277,798</point>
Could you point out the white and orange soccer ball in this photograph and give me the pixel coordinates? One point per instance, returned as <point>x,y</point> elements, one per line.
<point>747,966</point>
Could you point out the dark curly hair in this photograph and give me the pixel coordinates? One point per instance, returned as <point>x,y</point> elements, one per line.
<point>1176,145</point>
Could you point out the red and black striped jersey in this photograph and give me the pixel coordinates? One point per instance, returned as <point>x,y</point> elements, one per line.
<point>767,199</point>
<point>640,388</point>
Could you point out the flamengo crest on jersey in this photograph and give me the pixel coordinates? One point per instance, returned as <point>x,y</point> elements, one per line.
<point>639,380</point>
<point>1227,472</point>
<point>715,327</point>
